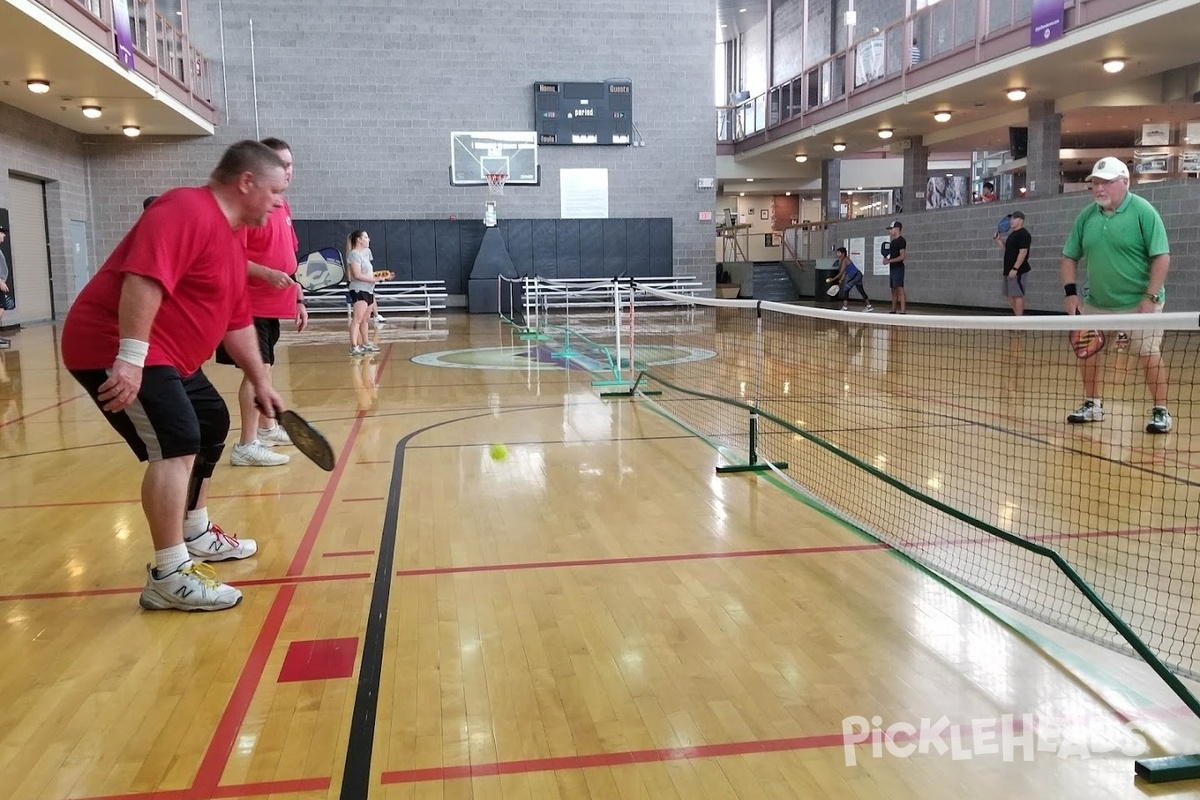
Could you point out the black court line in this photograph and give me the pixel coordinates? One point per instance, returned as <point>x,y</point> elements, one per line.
<point>356,779</point>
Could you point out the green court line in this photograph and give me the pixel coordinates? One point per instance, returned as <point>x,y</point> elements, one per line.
<point>1038,640</point>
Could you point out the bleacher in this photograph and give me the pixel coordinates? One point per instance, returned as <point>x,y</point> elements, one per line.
<point>392,296</point>
<point>598,292</point>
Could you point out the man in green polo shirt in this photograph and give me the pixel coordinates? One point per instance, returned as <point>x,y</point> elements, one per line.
<point>1124,242</point>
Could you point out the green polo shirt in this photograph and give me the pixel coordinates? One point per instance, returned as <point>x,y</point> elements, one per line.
<point>1118,249</point>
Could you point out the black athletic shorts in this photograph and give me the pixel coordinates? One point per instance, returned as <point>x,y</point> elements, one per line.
<point>171,417</point>
<point>364,297</point>
<point>267,330</point>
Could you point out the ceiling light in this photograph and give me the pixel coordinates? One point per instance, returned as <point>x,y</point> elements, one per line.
<point>91,112</point>
<point>741,11</point>
<point>38,86</point>
<point>787,194</point>
<point>724,26</point>
<point>800,159</point>
<point>131,131</point>
<point>749,180</point>
<point>1114,65</point>
<point>839,147</point>
<point>1015,94</point>
<point>741,194</point>
<point>885,133</point>
<point>941,116</point>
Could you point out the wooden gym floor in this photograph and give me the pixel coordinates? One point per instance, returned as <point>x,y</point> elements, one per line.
<point>596,615</point>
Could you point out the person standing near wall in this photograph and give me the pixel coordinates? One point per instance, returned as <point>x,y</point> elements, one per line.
<point>6,298</point>
<point>1016,261</point>
<point>897,250</point>
<point>274,295</point>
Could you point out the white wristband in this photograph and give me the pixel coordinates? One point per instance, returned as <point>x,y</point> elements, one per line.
<point>133,351</point>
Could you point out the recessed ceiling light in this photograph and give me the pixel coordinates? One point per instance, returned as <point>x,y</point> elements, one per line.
<point>38,86</point>
<point>885,133</point>
<point>787,194</point>
<point>800,159</point>
<point>131,131</point>
<point>941,116</point>
<point>1114,65</point>
<point>749,180</point>
<point>1016,94</point>
<point>838,147</point>
<point>741,11</point>
<point>741,194</point>
<point>91,112</point>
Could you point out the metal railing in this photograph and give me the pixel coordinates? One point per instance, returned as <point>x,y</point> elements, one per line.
<point>158,40</point>
<point>938,30</point>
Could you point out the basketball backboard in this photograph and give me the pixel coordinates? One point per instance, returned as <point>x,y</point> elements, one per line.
<point>475,154</point>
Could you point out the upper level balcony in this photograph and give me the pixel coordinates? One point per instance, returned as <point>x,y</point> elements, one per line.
<point>960,56</point>
<point>140,69</point>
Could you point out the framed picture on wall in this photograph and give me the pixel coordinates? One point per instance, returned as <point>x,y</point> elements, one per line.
<point>764,214</point>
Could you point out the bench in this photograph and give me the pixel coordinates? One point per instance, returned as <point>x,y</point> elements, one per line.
<point>598,292</point>
<point>418,296</point>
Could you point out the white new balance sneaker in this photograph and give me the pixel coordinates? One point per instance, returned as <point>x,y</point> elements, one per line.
<point>269,437</point>
<point>217,545</point>
<point>255,455</point>
<point>194,587</point>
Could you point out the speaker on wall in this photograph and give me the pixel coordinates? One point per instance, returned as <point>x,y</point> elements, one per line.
<point>1018,142</point>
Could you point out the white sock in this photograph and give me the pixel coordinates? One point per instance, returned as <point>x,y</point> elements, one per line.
<point>170,559</point>
<point>196,523</point>
<point>266,429</point>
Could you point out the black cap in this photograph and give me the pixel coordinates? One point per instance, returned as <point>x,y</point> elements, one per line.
<point>3,229</point>
<point>146,203</point>
<point>1017,215</point>
<point>896,224</point>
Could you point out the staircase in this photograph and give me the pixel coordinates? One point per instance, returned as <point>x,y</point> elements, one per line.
<point>771,282</point>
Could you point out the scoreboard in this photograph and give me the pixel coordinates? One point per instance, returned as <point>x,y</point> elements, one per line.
<point>583,113</point>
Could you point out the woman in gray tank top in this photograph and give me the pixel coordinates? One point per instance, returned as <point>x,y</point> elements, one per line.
<point>362,290</point>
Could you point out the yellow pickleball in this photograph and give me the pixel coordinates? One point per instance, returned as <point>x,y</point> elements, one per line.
<point>499,452</point>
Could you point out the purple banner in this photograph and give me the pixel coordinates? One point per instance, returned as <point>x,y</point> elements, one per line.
<point>123,32</point>
<point>1046,21</point>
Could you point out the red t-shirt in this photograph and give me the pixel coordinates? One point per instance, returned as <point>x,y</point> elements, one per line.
<point>183,242</point>
<point>273,245</point>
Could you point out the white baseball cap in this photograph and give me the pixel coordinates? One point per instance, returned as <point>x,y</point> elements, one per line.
<point>1109,169</point>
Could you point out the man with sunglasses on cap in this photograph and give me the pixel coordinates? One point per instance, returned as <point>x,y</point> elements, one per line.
<point>1124,241</point>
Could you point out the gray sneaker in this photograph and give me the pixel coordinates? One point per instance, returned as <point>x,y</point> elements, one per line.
<point>1160,421</point>
<point>191,588</point>
<point>1088,411</point>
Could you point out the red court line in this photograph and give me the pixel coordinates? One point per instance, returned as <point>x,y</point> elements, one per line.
<point>344,553</point>
<point>24,417</point>
<point>132,501</point>
<point>216,757</point>
<point>362,499</point>
<point>242,790</point>
<point>284,581</point>
<point>603,562</point>
<point>613,759</point>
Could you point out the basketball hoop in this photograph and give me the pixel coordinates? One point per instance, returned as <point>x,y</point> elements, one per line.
<point>496,182</point>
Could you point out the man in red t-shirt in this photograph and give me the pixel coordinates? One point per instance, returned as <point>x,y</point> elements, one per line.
<point>274,295</point>
<point>135,339</point>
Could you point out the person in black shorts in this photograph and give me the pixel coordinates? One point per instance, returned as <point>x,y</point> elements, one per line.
<point>897,250</point>
<point>1016,261</point>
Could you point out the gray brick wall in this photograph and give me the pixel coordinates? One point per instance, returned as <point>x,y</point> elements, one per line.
<point>368,92</point>
<point>953,261</point>
<point>35,148</point>
<point>788,32</point>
